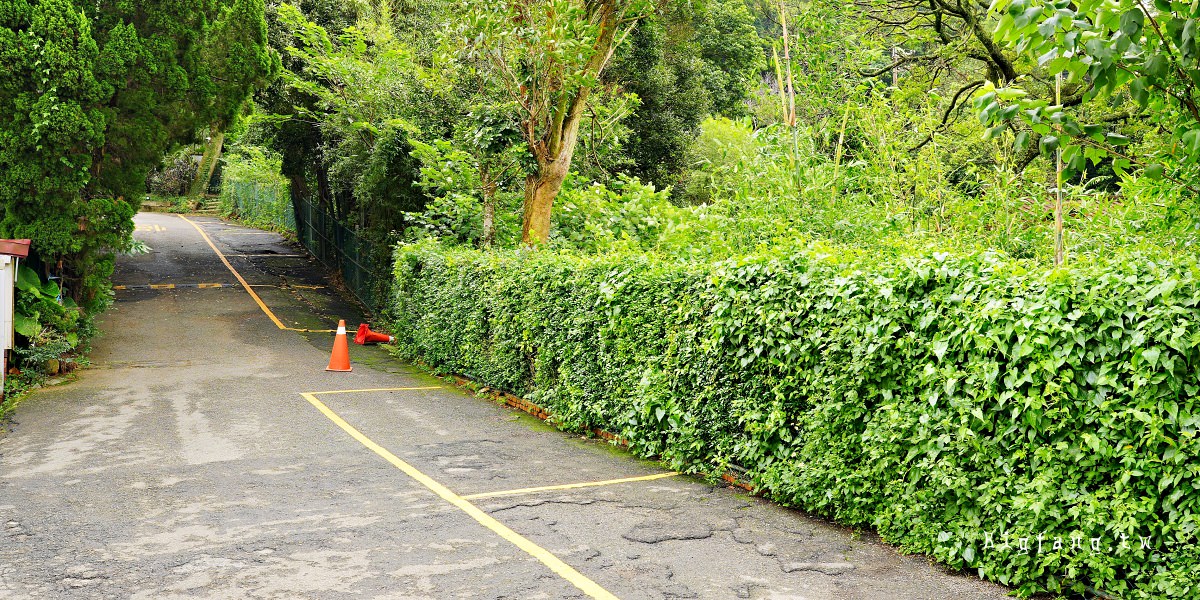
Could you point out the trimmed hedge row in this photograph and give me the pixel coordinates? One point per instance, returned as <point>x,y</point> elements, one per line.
<point>1038,426</point>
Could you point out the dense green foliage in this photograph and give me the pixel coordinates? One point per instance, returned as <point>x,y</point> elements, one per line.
<point>254,192</point>
<point>367,168</point>
<point>940,400</point>
<point>1121,52</point>
<point>692,61</point>
<point>92,96</point>
<point>175,175</point>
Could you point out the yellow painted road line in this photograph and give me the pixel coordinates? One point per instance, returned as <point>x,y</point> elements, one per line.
<point>289,285</point>
<point>398,389</point>
<point>569,486</point>
<point>242,280</point>
<point>172,286</point>
<point>575,578</point>
<point>239,277</point>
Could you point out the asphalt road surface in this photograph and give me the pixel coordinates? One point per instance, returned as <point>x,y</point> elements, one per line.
<point>208,454</point>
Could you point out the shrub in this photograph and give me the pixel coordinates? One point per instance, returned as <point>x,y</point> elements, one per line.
<point>955,403</point>
<point>174,177</point>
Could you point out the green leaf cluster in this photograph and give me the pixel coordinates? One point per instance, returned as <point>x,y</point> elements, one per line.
<point>689,61</point>
<point>254,191</point>
<point>1145,54</point>
<point>40,304</point>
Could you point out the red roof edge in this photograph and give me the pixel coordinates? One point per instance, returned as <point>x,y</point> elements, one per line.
<point>18,248</point>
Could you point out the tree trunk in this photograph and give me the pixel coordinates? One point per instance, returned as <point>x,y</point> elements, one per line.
<point>541,188</point>
<point>297,188</point>
<point>489,221</point>
<point>540,191</point>
<point>489,208</point>
<point>556,146</point>
<point>208,164</point>
<point>324,193</point>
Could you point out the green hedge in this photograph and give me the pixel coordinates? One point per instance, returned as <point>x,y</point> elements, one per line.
<point>940,400</point>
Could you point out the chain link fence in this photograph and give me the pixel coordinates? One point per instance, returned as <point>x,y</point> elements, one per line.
<point>266,205</point>
<point>364,265</point>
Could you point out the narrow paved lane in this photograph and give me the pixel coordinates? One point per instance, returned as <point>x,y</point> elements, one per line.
<point>206,455</point>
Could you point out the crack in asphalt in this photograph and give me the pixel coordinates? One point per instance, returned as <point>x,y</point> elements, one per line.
<point>545,501</point>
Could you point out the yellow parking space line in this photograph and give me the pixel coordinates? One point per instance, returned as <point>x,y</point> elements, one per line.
<point>242,280</point>
<point>396,389</point>
<point>569,486</point>
<point>567,572</point>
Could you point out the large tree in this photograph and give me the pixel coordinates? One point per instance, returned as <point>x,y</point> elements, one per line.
<point>1130,59</point>
<point>359,89</point>
<point>549,55</point>
<point>92,95</point>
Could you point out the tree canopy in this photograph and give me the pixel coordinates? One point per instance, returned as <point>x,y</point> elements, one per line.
<point>93,95</point>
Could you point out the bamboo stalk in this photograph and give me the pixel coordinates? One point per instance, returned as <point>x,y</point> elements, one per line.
<point>787,59</point>
<point>1058,200</point>
<point>790,109</point>
<point>779,79</point>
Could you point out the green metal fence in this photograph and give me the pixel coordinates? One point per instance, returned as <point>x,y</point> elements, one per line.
<point>363,265</point>
<point>261,204</point>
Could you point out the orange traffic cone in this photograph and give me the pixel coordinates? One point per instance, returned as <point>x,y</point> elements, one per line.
<point>366,336</point>
<point>340,359</point>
